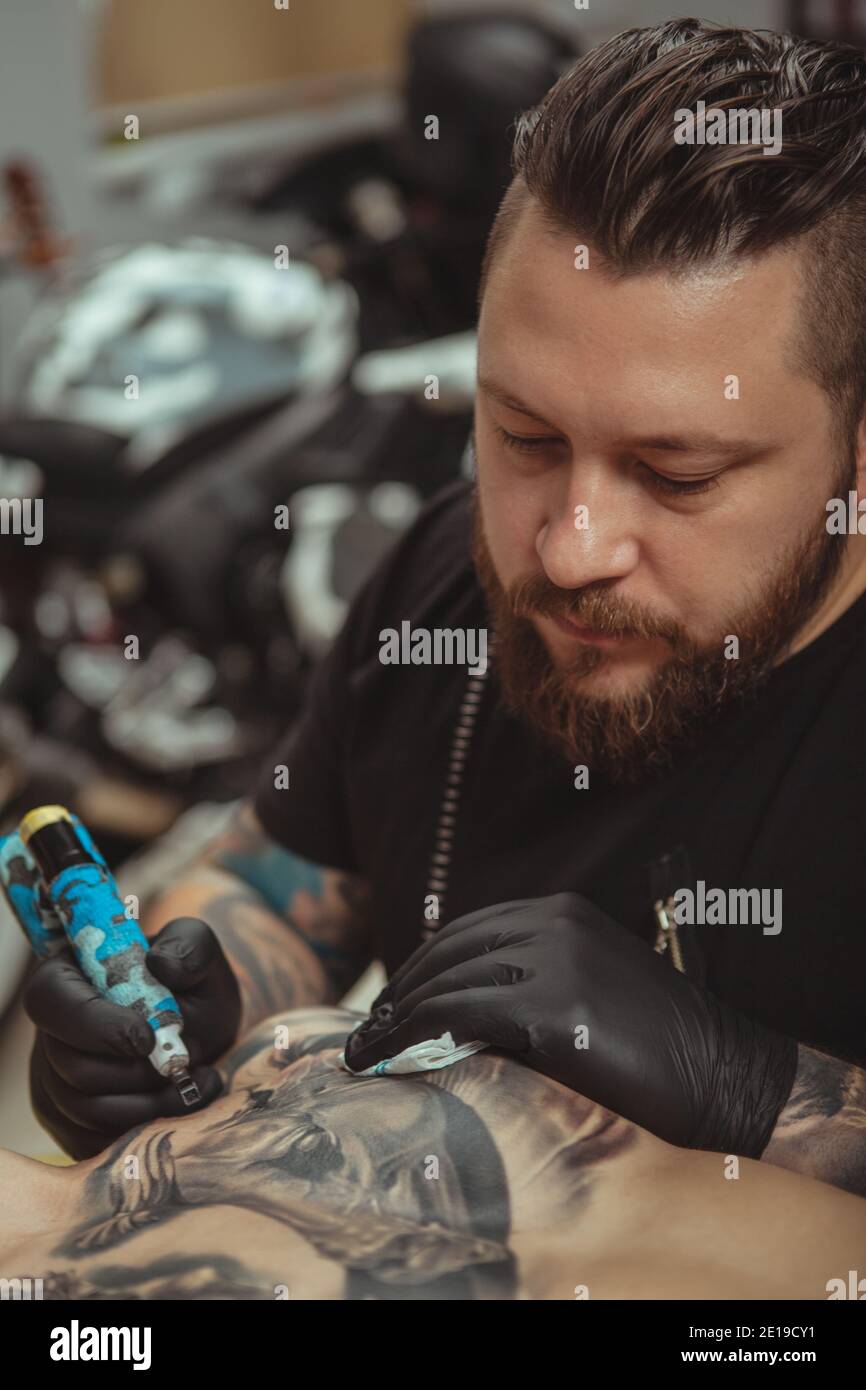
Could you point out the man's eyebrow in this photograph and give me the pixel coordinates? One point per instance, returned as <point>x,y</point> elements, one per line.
<point>699,444</point>
<point>668,444</point>
<point>510,402</point>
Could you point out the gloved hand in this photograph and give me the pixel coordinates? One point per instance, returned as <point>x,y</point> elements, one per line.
<point>90,1079</point>
<point>659,1050</point>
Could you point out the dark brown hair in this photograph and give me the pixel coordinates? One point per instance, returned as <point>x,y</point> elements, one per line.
<point>600,158</point>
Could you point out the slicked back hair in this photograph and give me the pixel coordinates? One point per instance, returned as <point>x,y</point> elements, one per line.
<point>599,157</point>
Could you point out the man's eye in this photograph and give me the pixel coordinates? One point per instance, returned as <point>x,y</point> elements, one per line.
<point>525,443</point>
<point>671,487</point>
<point>677,487</point>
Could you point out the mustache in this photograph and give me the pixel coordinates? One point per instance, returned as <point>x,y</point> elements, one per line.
<point>592,606</point>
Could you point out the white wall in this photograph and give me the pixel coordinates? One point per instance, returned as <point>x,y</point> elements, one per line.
<point>44,101</point>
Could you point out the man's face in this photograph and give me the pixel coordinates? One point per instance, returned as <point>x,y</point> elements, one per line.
<point>667,407</point>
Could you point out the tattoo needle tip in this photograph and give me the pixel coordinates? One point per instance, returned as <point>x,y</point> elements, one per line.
<point>187,1088</point>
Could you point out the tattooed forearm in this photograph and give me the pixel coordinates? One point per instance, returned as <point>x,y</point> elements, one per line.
<point>296,932</point>
<point>274,969</point>
<point>822,1129</point>
<point>243,849</point>
<point>328,909</point>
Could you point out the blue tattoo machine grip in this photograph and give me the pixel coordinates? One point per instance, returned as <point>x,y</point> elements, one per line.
<point>60,888</point>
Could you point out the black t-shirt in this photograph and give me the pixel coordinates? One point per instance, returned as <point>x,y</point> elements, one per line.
<point>772,798</point>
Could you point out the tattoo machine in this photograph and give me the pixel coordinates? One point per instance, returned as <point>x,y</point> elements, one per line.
<point>61,889</point>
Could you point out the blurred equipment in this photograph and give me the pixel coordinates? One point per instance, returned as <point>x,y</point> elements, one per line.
<point>26,236</point>
<point>225,439</point>
<point>405,219</point>
<point>841,20</point>
<point>148,344</point>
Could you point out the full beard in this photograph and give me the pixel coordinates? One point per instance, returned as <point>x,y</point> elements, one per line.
<point>626,736</point>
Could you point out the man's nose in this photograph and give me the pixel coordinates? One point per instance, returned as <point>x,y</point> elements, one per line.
<point>590,533</point>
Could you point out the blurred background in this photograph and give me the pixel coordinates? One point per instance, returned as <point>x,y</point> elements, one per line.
<point>239,249</point>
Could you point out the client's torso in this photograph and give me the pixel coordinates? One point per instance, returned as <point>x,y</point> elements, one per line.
<point>484,1180</point>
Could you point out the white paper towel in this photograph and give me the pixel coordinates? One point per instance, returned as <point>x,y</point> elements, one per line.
<point>425,1056</point>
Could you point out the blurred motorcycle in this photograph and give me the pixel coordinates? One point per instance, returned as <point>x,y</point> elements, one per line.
<point>224,443</point>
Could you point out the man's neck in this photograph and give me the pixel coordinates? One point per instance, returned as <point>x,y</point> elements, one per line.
<point>849,585</point>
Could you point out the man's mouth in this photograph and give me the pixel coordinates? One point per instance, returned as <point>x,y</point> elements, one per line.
<point>589,635</point>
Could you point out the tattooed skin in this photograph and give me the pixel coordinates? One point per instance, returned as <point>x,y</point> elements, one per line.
<point>295,932</point>
<point>394,1206</point>
<point>822,1129</point>
<point>482,1181</point>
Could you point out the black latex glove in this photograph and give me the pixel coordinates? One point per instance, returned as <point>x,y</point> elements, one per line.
<point>90,1079</point>
<point>660,1051</point>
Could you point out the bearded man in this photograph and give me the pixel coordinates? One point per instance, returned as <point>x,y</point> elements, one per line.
<point>671,391</point>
